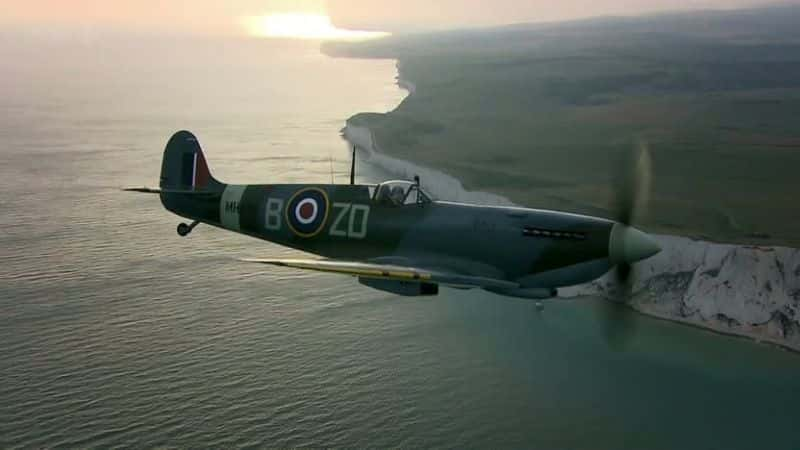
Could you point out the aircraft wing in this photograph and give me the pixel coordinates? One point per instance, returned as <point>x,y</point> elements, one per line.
<point>388,272</point>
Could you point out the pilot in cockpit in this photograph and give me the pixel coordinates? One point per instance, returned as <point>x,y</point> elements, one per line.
<point>398,195</point>
<point>391,195</point>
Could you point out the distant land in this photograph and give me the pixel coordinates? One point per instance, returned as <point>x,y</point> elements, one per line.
<point>545,114</point>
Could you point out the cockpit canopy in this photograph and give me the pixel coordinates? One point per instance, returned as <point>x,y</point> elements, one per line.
<point>399,193</point>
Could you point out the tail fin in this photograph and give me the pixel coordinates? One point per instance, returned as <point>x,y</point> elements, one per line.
<point>184,167</point>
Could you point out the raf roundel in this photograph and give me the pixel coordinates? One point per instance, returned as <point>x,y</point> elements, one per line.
<point>307,212</point>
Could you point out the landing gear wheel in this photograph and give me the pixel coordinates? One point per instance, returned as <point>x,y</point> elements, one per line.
<point>184,229</point>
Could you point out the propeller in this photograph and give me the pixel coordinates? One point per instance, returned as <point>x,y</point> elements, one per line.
<point>633,191</point>
<point>633,195</point>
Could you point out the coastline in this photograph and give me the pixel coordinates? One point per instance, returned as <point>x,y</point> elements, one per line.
<point>694,282</point>
<point>403,82</point>
<point>548,118</point>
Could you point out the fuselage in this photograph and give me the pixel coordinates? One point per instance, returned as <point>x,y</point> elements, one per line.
<point>537,248</point>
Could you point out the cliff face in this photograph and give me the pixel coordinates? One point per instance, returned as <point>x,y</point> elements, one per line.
<point>745,290</point>
<point>441,185</point>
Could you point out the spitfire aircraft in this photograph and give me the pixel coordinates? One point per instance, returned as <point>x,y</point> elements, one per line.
<point>395,237</point>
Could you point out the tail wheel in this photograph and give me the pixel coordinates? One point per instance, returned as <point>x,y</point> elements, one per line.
<point>184,229</point>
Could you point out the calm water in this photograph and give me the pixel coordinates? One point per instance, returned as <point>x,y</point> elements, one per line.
<point>115,331</point>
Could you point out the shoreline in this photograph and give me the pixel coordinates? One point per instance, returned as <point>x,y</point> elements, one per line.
<point>717,329</point>
<point>687,275</point>
<point>404,83</point>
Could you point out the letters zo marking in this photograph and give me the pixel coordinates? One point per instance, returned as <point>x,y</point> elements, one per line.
<point>349,220</point>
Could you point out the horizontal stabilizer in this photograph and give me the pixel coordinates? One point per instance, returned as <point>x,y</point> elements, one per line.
<point>152,190</point>
<point>143,190</point>
<point>388,272</point>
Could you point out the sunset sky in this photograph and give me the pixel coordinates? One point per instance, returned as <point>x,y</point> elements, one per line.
<point>235,17</point>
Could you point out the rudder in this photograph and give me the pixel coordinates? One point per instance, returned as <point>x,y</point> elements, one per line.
<point>184,167</point>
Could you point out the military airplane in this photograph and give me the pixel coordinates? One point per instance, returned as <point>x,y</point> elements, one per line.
<point>395,237</point>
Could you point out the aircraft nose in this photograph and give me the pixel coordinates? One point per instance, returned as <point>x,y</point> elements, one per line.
<point>627,244</point>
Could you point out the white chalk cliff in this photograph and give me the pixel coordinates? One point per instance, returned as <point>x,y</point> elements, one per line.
<point>746,290</point>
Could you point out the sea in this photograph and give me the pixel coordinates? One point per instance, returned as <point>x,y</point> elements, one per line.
<point>115,332</point>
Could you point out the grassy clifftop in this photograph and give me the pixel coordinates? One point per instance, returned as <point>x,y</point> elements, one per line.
<point>544,115</point>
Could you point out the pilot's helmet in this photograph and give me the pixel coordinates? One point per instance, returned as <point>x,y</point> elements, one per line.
<point>398,195</point>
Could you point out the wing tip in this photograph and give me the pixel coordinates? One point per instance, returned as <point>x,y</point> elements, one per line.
<point>274,262</point>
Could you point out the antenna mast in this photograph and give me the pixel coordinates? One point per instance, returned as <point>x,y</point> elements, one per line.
<point>353,167</point>
<point>330,156</point>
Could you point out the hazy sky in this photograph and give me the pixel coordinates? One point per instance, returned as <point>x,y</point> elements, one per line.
<point>458,13</point>
<point>214,16</point>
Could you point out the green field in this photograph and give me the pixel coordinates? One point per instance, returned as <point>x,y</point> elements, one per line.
<point>546,114</point>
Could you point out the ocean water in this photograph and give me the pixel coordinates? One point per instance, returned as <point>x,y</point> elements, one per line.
<point>116,332</point>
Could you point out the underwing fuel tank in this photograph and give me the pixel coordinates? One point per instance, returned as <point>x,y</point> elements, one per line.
<point>405,288</point>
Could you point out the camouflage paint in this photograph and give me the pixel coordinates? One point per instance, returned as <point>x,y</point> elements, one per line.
<point>499,242</point>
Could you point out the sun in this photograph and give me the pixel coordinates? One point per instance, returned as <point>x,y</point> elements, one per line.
<point>303,26</point>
